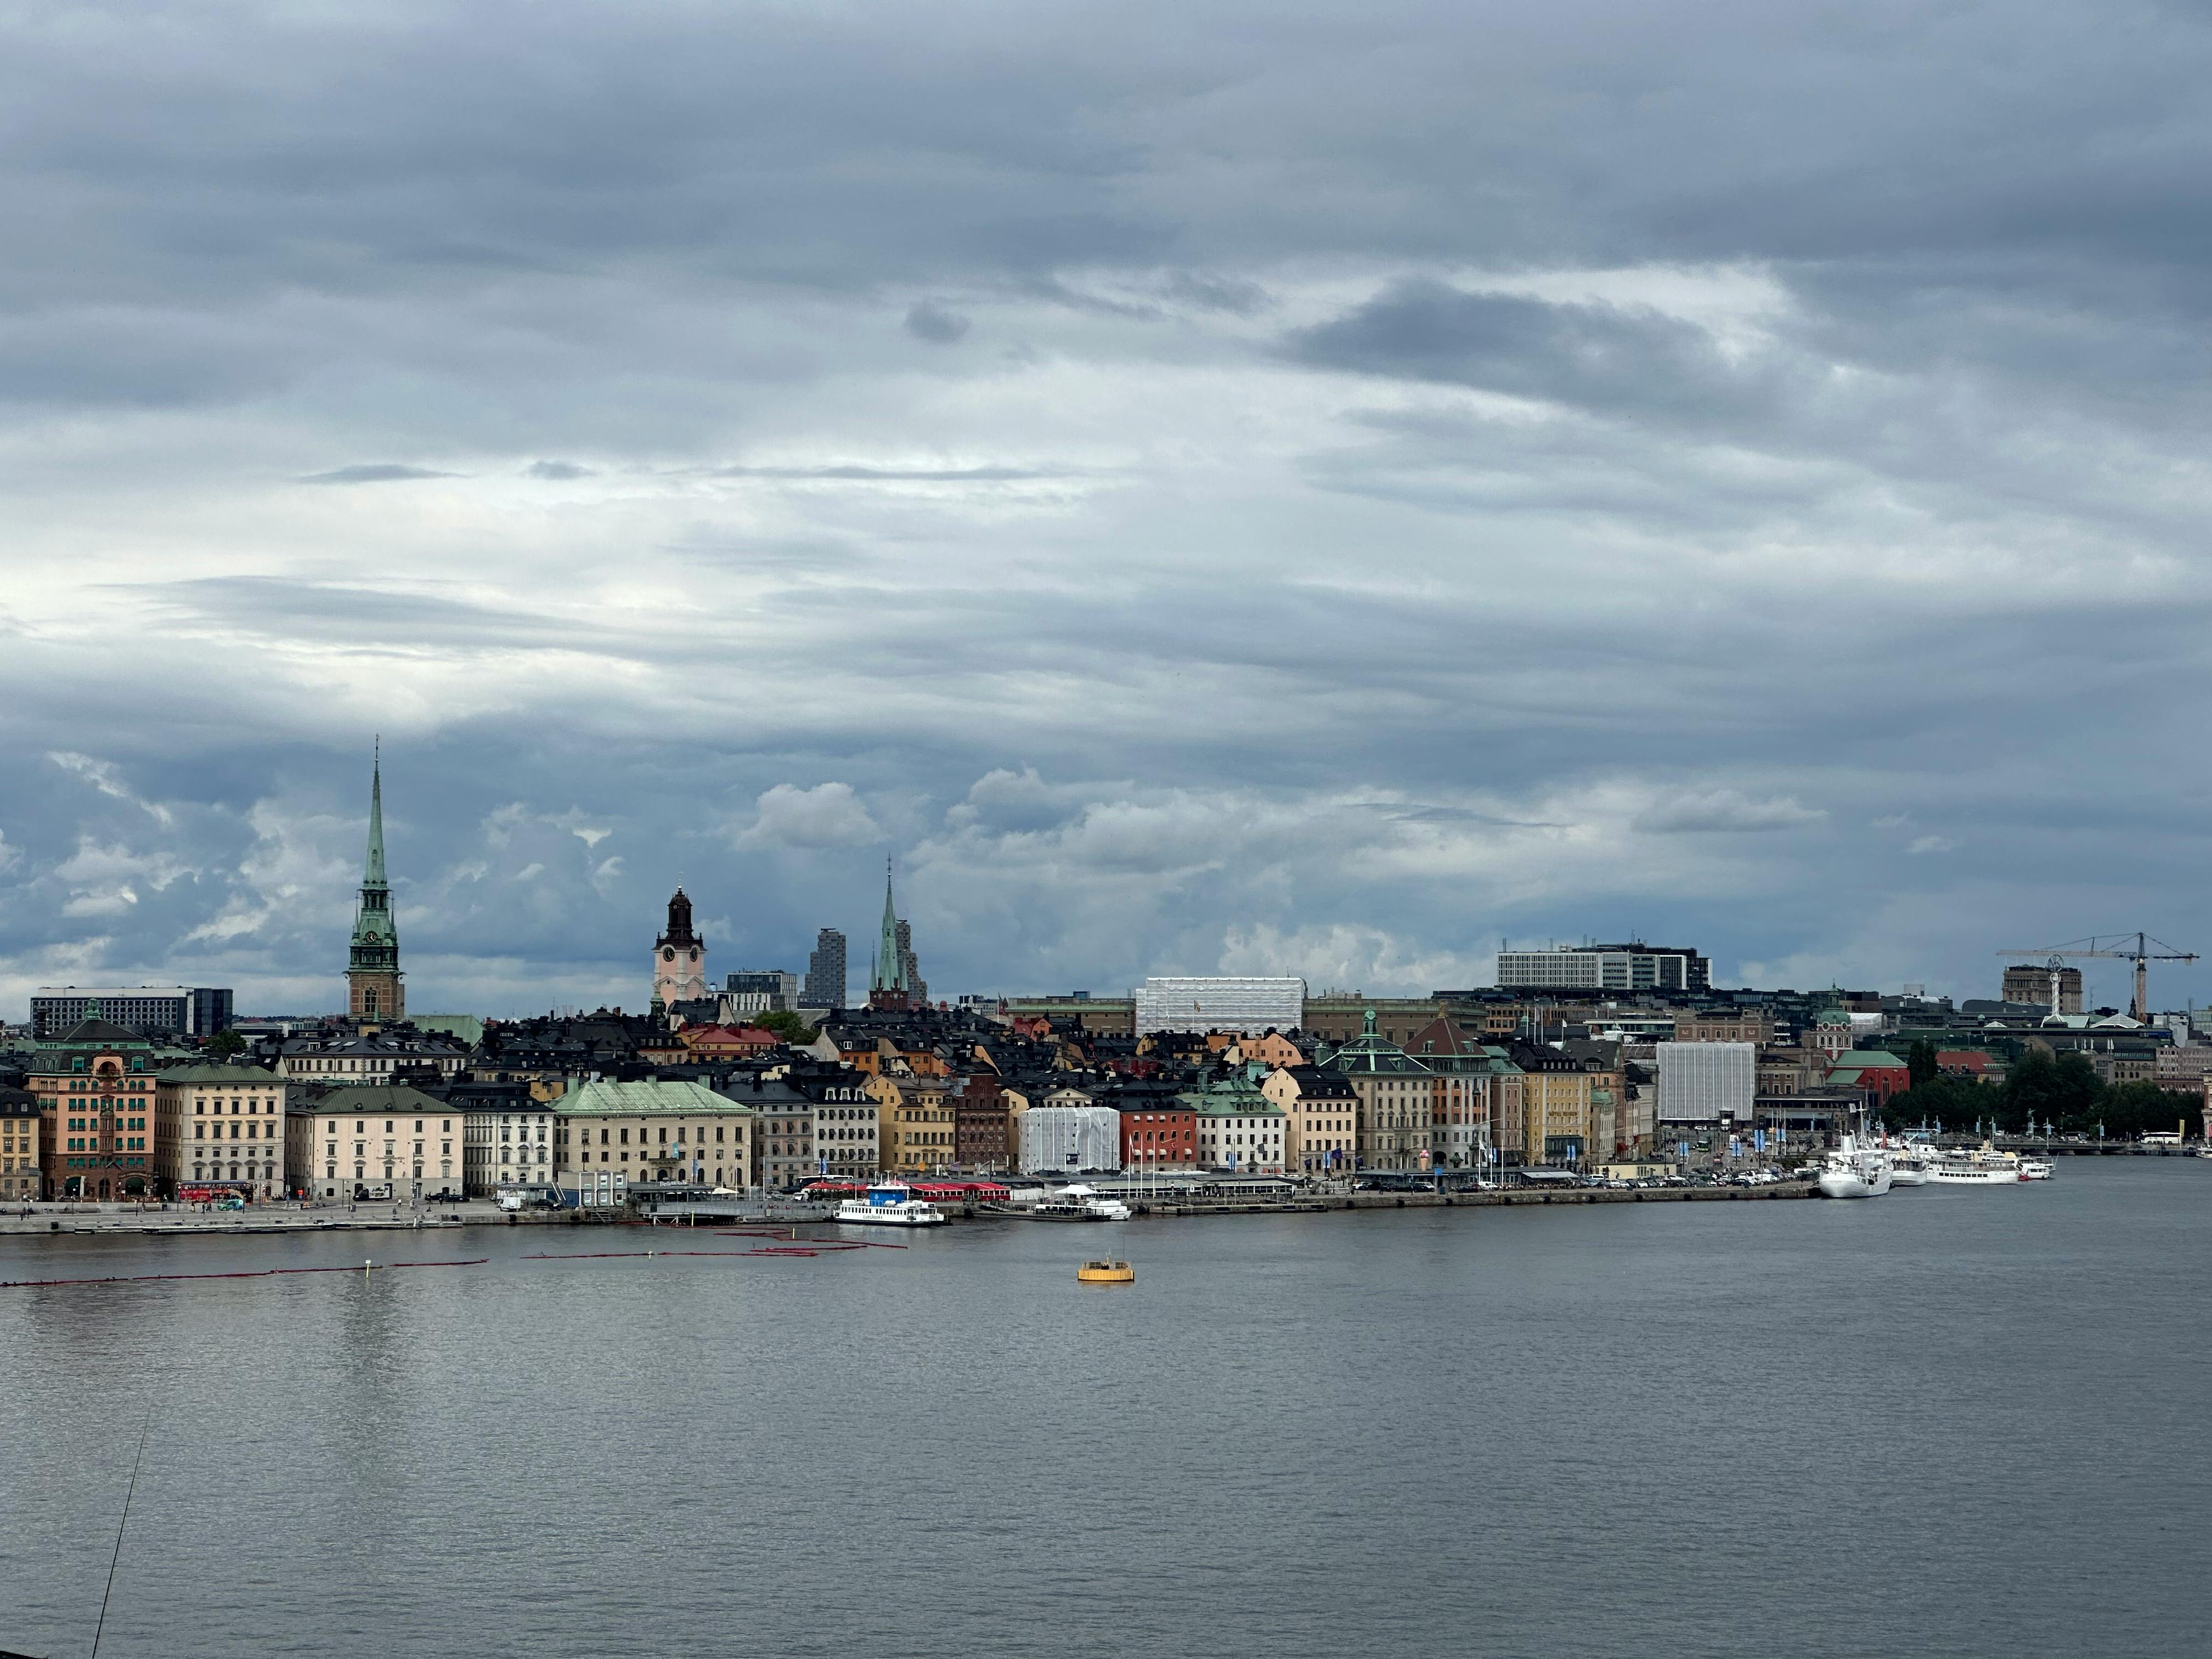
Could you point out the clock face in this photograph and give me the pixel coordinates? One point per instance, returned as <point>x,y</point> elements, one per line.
<point>668,955</point>
<point>694,953</point>
<point>372,936</point>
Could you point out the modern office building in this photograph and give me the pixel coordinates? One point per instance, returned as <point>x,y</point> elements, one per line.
<point>1634,967</point>
<point>825,971</point>
<point>1706,1082</point>
<point>759,991</point>
<point>188,1011</point>
<point>1189,1003</point>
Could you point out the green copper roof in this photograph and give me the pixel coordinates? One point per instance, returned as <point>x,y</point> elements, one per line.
<point>648,1095</point>
<point>375,946</point>
<point>1234,1094</point>
<point>1372,1055</point>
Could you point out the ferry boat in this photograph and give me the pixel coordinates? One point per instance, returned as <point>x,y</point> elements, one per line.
<point>2037,1169</point>
<point>1911,1163</point>
<point>1984,1166</point>
<point>1854,1172</point>
<point>1079,1204</point>
<point>1106,1273</point>
<point>889,1204</point>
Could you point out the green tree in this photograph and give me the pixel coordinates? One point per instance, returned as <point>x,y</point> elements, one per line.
<point>1920,1061</point>
<point>2131,1109</point>
<point>787,1025</point>
<point>223,1044</point>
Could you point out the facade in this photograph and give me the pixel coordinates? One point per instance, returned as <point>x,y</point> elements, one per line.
<point>1724,1025</point>
<point>509,1144</point>
<point>19,1180</point>
<point>1159,1134</point>
<point>1244,1004</point>
<point>97,1133</point>
<point>825,970</point>
<point>187,1011</point>
<point>679,958</point>
<point>759,991</point>
<point>1559,1105</point>
<point>376,988</point>
<point>2030,983</point>
<point>1631,967</point>
<point>1335,1019</point>
<point>1239,1127</point>
<point>1066,1133</point>
<point>610,1138</point>
<point>221,1126</point>
<point>1320,1118</point>
<point>370,1057</point>
<point>915,1133</point>
<point>1707,1082</point>
<point>1397,1100</point>
<point>787,1143</point>
<point>371,1142</point>
<point>847,1136</point>
<point>981,1144</point>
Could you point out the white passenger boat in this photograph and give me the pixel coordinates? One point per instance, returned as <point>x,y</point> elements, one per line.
<point>1910,1161</point>
<point>1079,1204</point>
<point>1854,1172</point>
<point>2037,1169</point>
<point>1982,1166</point>
<point>889,1204</point>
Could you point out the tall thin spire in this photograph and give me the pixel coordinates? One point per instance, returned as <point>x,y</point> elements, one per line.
<point>373,875</point>
<point>890,973</point>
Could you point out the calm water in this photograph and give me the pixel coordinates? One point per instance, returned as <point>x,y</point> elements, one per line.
<point>1956,1422</point>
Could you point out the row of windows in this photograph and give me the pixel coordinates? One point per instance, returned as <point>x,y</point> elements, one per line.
<point>117,1143</point>
<point>251,1107</point>
<point>199,1132</point>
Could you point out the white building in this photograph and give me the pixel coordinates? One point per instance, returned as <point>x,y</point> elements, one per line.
<point>1605,968</point>
<point>376,1141</point>
<point>1169,1003</point>
<point>509,1146</point>
<point>1703,1082</point>
<point>217,1125</point>
<point>1239,1128</point>
<point>1060,1138</point>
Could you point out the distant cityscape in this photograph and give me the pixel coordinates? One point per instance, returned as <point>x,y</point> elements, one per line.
<point>1588,1057</point>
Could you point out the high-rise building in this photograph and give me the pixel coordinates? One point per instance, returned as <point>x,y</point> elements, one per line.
<point>188,1011</point>
<point>1634,967</point>
<point>679,958</point>
<point>825,970</point>
<point>374,990</point>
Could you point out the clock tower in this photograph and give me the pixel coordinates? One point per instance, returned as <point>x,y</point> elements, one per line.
<point>679,958</point>
<point>373,991</point>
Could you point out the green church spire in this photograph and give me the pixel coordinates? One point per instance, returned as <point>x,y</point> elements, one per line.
<point>375,939</point>
<point>890,967</point>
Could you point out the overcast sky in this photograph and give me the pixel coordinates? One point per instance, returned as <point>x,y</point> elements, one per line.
<point>1249,487</point>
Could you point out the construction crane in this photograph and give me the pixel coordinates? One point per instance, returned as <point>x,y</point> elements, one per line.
<point>2114,945</point>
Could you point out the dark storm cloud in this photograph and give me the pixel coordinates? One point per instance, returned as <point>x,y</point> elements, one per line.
<point>1407,474</point>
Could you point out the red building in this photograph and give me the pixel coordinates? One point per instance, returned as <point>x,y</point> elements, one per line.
<point>1159,1136</point>
<point>1963,1063</point>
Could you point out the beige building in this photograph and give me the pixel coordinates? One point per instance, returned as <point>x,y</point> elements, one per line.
<point>508,1145</point>
<point>610,1138</point>
<point>19,1146</point>
<point>1723,1027</point>
<point>1560,1109</point>
<point>372,1142</point>
<point>915,1129</point>
<point>1320,1118</point>
<point>218,1125</point>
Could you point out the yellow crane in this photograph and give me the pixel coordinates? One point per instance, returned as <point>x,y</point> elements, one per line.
<point>2114,945</point>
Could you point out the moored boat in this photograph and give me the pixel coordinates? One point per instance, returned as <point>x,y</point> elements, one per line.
<point>1079,1204</point>
<point>1854,1172</point>
<point>889,1204</point>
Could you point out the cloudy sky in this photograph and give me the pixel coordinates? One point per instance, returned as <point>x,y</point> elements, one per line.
<point>1208,487</point>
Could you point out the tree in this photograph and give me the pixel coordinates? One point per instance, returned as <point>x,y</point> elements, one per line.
<point>787,1025</point>
<point>1920,1062</point>
<point>2131,1109</point>
<point>223,1044</point>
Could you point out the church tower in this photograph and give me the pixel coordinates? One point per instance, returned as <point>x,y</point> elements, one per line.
<point>373,991</point>
<point>891,984</point>
<point>679,958</point>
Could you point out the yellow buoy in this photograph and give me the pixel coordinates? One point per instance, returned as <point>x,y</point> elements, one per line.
<point>1106,1273</point>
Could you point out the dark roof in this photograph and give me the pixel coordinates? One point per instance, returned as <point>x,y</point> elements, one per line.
<point>370,1098</point>
<point>18,1103</point>
<point>106,1032</point>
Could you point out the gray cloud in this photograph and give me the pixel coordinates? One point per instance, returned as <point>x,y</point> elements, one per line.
<point>556,472</point>
<point>373,473</point>
<point>935,322</point>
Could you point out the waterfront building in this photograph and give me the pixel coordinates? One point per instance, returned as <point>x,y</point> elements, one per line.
<point>1559,1098</point>
<point>1239,1127</point>
<point>1066,1132</point>
<point>1320,1118</point>
<point>373,1057</point>
<point>980,1142</point>
<point>610,1138</point>
<point>20,1178</point>
<point>1397,1100</point>
<point>373,1142</point>
<point>1159,1133</point>
<point>1232,1003</point>
<point>1631,967</point>
<point>218,1125</point>
<point>788,1124</point>
<point>825,970</point>
<point>176,1010</point>
<point>1706,1082</point>
<point>505,1142</point>
<point>375,988</point>
<point>94,1084</point>
<point>679,958</point>
<point>847,1130</point>
<point>915,1131</point>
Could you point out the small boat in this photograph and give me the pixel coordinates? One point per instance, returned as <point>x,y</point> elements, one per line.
<point>1984,1166</point>
<point>888,1204</point>
<point>1079,1204</point>
<point>1854,1172</point>
<point>2037,1169</point>
<point>1106,1273</point>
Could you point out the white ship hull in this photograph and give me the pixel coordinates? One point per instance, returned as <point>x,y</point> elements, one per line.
<point>1854,1183</point>
<point>855,1213</point>
<point>1908,1175</point>
<point>1977,1174</point>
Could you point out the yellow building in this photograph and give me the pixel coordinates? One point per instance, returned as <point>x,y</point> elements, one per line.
<point>1560,1098</point>
<point>19,1146</point>
<point>1320,1133</point>
<point>915,1129</point>
<point>610,1138</point>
